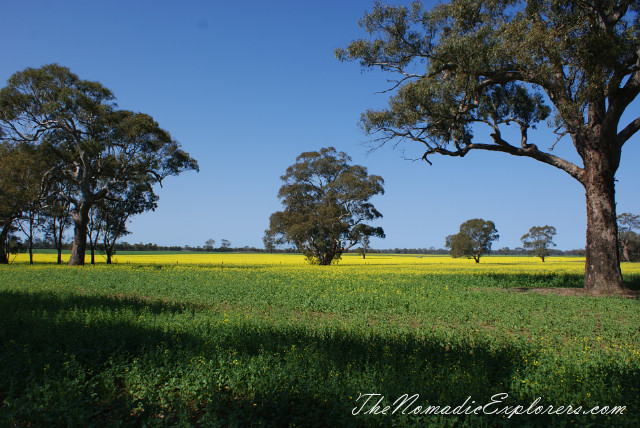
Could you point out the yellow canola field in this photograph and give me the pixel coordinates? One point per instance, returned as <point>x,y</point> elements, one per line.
<point>425,263</point>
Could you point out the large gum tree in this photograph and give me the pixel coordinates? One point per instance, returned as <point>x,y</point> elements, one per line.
<point>511,63</point>
<point>93,148</point>
<point>326,206</point>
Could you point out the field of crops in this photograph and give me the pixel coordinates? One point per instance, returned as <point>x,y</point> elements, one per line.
<point>242,340</point>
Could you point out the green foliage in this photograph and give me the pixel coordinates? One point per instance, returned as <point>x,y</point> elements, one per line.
<point>466,63</point>
<point>114,211</point>
<point>539,240</point>
<point>23,182</point>
<point>92,148</point>
<point>326,206</point>
<point>245,346</point>
<point>473,240</point>
<point>493,66</point>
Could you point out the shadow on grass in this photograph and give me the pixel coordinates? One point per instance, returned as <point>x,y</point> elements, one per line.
<point>100,361</point>
<point>548,280</point>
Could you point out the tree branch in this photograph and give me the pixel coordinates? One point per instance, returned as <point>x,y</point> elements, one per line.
<point>628,132</point>
<point>530,151</point>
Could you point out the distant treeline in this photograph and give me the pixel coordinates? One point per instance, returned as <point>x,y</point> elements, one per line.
<point>506,251</point>
<point>125,246</point>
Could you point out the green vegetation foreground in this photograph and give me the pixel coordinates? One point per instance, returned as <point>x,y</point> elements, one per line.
<point>284,345</point>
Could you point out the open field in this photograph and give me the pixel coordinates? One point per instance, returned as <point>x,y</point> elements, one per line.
<point>241,340</point>
<point>436,264</point>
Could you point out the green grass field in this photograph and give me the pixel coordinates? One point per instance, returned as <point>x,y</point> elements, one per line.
<point>297,345</point>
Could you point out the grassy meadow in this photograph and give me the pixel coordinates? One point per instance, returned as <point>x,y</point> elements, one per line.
<point>257,339</point>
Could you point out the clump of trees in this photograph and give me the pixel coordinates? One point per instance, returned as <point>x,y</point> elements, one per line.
<point>473,240</point>
<point>509,66</point>
<point>326,206</point>
<point>76,158</point>
<point>539,240</point>
<point>22,186</point>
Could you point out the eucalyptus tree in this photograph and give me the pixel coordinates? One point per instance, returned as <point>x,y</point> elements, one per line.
<point>116,209</point>
<point>209,244</point>
<point>539,240</point>
<point>511,64</point>
<point>57,218</point>
<point>94,147</point>
<point>473,240</point>
<point>269,241</point>
<point>22,185</point>
<point>362,233</point>
<point>326,205</point>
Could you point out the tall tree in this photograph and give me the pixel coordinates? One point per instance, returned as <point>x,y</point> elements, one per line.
<point>325,200</point>
<point>269,241</point>
<point>29,223</point>
<point>473,240</point>
<point>117,208</point>
<point>471,63</point>
<point>627,223</point>
<point>22,184</point>
<point>538,240</point>
<point>94,231</point>
<point>362,233</point>
<point>95,146</point>
<point>57,214</point>
<point>210,244</point>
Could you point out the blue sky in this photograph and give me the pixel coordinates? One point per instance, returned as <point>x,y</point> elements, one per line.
<point>246,86</point>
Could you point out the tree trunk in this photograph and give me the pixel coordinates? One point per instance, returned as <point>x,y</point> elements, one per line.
<point>30,237</point>
<point>326,259</point>
<point>625,250</point>
<point>58,240</point>
<point>602,267</point>
<point>4,234</point>
<point>31,226</point>
<point>80,217</point>
<point>109,251</point>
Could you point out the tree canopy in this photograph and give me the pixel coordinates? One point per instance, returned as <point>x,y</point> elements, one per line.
<point>511,64</point>
<point>93,148</point>
<point>473,240</point>
<point>326,205</point>
<point>22,186</point>
<point>538,240</point>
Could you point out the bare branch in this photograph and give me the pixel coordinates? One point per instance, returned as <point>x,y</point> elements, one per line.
<point>628,132</point>
<point>530,151</point>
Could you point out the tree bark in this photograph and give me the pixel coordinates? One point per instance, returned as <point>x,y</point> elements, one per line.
<point>58,239</point>
<point>4,234</point>
<point>80,217</point>
<point>602,266</point>
<point>625,250</point>
<point>31,221</point>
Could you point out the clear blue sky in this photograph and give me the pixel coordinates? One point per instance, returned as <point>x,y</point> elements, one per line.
<point>246,86</point>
